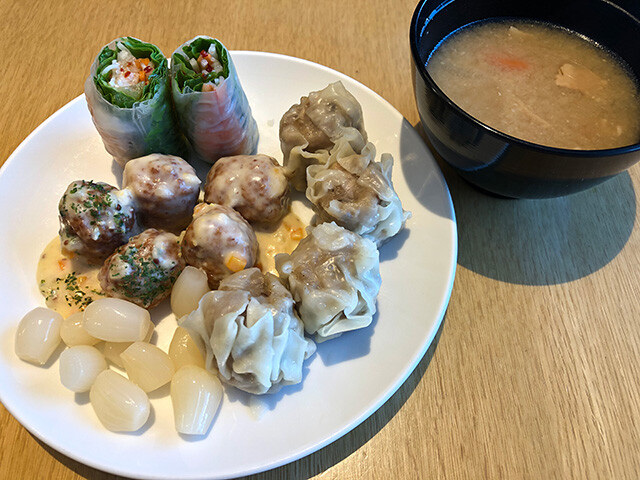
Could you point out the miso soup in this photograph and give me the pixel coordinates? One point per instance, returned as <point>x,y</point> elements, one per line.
<point>539,83</point>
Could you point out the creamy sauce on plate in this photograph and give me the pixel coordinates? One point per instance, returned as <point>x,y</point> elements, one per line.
<point>69,283</point>
<point>273,239</point>
<point>66,281</point>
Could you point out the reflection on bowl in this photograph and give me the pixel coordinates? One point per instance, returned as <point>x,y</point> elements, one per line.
<point>494,161</point>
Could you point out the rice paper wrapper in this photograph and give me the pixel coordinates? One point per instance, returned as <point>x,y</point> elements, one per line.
<point>149,126</point>
<point>217,123</point>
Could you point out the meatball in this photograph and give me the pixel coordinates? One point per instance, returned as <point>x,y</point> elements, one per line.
<point>219,241</point>
<point>165,188</point>
<point>143,270</point>
<point>95,218</point>
<point>254,185</point>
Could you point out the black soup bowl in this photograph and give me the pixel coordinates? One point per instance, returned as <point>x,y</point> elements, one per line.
<point>496,162</point>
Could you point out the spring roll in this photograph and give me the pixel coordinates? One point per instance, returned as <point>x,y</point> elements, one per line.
<point>129,97</point>
<point>212,108</point>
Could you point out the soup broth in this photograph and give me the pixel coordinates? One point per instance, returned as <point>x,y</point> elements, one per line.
<point>539,83</point>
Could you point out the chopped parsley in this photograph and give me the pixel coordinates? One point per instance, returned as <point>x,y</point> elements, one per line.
<point>119,219</point>
<point>75,295</point>
<point>95,199</point>
<point>146,280</point>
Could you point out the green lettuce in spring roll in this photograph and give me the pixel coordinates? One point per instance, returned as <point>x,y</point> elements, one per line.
<point>129,97</point>
<point>212,108</point>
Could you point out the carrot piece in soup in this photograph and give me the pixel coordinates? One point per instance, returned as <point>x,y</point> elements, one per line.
<point>507,63</point>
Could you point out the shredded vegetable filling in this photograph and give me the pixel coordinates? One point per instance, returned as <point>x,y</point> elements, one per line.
<point>206,63</point>
<point>128,73</point>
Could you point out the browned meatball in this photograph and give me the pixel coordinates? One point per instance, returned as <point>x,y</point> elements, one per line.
<point>165,188</point>
<point>95,218</point>
<point>143,270</point>
<point>254,185</point>
<point>219,241</point>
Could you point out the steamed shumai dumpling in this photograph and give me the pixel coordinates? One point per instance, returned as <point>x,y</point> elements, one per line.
<point>250,333</point>
<point>309,129</point>
<point>356,192</point>
<point>334,277</point>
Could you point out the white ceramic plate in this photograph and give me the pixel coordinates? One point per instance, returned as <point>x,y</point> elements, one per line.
<point>344,382</point>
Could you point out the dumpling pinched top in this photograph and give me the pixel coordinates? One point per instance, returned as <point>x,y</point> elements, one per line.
<point>356,192</point>
<point>251,333</point>
<point>334,277</point>
<point>308,130</point>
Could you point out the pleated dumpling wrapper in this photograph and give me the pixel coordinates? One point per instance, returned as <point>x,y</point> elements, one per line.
<point>250,333</point>
<point>334,277</point>
<point>356,192</point>
<point>213,110</point>
<point>309,129</point>
<point>129,98</point>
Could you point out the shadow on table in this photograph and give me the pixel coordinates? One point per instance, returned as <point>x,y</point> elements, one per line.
<point>82,470</point>
<point>337,451</point>
<point>541,242</point>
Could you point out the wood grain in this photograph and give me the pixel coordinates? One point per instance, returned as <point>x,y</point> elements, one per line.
<point>534,373</point>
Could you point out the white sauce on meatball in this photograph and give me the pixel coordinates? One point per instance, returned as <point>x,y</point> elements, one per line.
<point>253,185</point>
<point>166,189</point>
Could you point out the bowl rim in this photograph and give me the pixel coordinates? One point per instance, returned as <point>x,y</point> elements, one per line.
<point>420,66</point>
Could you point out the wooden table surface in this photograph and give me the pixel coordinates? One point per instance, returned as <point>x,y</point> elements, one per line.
<point>534,372</point>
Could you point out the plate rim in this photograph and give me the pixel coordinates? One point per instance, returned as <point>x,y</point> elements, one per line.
<point>377,403</point>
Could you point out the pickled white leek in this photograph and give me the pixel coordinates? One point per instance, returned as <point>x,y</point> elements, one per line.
<point>38,335</point>
<point>183,350</point>
<point>189,288</point>
<point>147,366</point>
<point>79,367</point>
<point>119,403</point>
<point>112,350</point>
<point>196,395</point>
<point>73,333</point>
<point>116,320</point>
